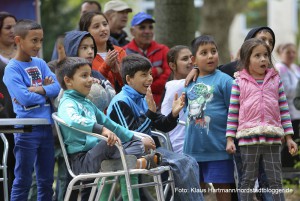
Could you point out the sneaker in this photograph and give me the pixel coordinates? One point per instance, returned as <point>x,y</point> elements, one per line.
<point>153,160</point>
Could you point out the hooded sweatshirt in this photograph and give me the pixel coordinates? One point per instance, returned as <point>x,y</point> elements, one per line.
<point>231,67</point>
<point>105,90</point>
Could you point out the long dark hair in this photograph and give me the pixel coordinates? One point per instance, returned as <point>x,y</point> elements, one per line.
<point>85,22</point>
<point>4,15</point>
<point>246,51</point>
<point>172,57</point>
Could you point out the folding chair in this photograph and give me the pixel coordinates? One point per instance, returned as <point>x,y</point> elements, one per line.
<point>165,142</point>
<point>155,172</point>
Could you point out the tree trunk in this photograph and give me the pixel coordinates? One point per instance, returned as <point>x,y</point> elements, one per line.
<point>174,22</point>
<point>216,19</point>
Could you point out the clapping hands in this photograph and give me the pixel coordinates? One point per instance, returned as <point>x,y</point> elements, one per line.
<point>112,61</point>
<point>178,104</point>
<point>150,101</point>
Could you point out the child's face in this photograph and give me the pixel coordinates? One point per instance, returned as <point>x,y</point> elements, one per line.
<point>206,59</point>
<point>86,49</point>
<point>81,81</point>
<point>266,37</point>
<point>140,81</point>
<point>32,43</point>
<point>99,29</point>
<point>259,61</point>
<point>183,64</point>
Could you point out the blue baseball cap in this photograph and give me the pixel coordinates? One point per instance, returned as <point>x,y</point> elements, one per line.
<point>141,17</point>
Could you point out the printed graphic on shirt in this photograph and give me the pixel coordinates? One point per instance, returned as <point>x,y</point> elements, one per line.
<point>34,75</point>
<point>198,96</point>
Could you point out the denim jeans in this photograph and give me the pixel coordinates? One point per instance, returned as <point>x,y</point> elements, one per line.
<point>186,174</point>
<point>35,149</point>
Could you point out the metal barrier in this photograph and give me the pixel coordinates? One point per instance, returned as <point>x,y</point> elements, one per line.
<point>8,126</point>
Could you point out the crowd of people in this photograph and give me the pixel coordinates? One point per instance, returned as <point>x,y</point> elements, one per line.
<point>241,118</point>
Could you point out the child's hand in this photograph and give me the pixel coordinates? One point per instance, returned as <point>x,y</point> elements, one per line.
<point>178,104</point>
<point>39,90</point>
<point>230,146</point>
<point>192,76</point>
<point>16,101</point>
<point>150,101</point>
<point>116,67</point>
<point>111,60</point>
<point>148,143</point>
<point>48,81</point>
<point>95,80</point>
<point>112,138</point>
<point>292,146</point>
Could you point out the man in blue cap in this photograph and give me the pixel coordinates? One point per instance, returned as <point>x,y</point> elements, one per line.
<point>143,44</point>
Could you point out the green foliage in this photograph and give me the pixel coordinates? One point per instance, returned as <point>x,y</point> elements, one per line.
<point>256,13</point>
<point>57,17</point>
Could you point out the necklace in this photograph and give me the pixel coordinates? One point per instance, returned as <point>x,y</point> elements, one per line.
<point>9,53</point>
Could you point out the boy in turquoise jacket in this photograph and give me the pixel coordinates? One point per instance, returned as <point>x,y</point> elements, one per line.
<point>87,152</point>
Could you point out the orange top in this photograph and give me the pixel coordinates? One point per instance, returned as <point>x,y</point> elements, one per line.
<point>114,78</point>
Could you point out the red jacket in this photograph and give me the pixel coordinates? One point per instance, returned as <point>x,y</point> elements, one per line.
<point>114,78</point>
<point>157,54</point>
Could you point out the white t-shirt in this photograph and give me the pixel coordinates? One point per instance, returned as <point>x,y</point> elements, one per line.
<point>290,78</point>
<point>177,134</point>
<point>4,59</point>
<point>103,55</point>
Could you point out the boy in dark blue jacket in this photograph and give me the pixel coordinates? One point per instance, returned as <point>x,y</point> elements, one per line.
<point>135,109</point>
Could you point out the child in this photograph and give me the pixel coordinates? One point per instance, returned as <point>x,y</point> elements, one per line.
<point>86,152</point>
<point>82,44</point>
<point>267,35</point>
<point>135,109</point>
<point>264,33</point>
<point>180,62</point>
<point>208,102</point>
<point>108,58</point>
<point>259,118</point>
<point>30,84</point>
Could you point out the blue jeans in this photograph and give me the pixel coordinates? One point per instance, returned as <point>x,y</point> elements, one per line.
<point>186,174</point>
<point>35,149</point>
